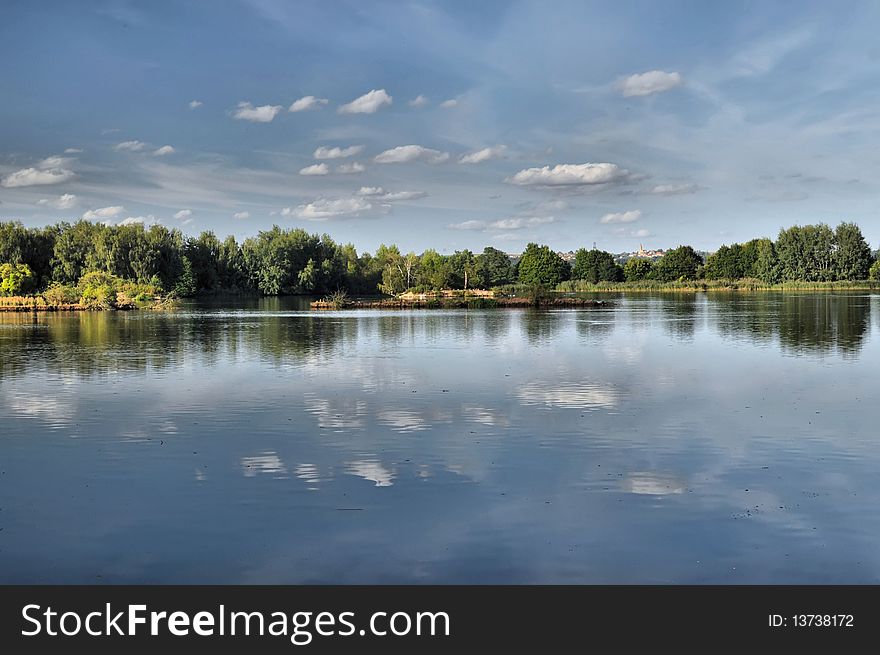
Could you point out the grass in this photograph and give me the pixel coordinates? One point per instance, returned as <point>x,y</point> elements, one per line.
<point>745,284</point>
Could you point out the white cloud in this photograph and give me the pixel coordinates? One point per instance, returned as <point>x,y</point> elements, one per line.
<point>674,189</point>
<point>369,103</point>
<point>164,150</point>
<point>130,146</point>
<point>241,215</point>
<point>483,155</point>
<point>350,169</point>
<point>336,152</point>
<point>645,84</point>
<point>569,175</point>
<point>183,214</point>
<point>195,104</point>
<point>449,104</point>
<point>72,151</point>
<point>65,201</point>
<point>315,169</point>
<point>324,208</point>
<point>263,114</point>
<point>103,212</point>
<point>378,193</point>
<point>308,103</point>
<point>139,220</point>
<point>519,223</point>
<point>504,224</point>
<point>402,154</point>
<point>51,170</point>
<point>418,101</point>
<point>622,217</point>
<point>468,225</point>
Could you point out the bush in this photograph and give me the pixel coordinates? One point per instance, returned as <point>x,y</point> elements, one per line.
<point>874,273</point>
<point>98,290</point>
<point>16,279</point>
<point>61,294</point>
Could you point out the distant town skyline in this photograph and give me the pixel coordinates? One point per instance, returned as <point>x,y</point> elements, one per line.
<point>444,125</point>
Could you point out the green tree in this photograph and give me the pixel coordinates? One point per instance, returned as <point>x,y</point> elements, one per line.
<point>725,264</point>
<point>186,285</point>
<point>462,269</point>
<point>74,251</point>
<point>852,255</point>
<point>766,266</point>
<point>638,268</point>
<point>539,266</point>
<point>874,272</point>
<point>806,253</point>
<point>433,271</point>
<point>596,266</point>
<point>493,268</point>
<point>680,263</point>
<point>16,279</point>
<point>393,275</point>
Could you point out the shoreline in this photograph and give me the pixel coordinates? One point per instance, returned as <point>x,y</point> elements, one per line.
<point>459,303</point>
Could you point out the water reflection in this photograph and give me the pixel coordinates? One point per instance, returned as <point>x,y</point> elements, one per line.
<point>683,438</point>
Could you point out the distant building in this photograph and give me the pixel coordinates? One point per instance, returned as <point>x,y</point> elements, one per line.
<point>649,254</point>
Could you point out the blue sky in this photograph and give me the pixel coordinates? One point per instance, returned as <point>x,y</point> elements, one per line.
<point>444,124</point>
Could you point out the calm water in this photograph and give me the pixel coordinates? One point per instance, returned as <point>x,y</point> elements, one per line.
<point>687,439</point>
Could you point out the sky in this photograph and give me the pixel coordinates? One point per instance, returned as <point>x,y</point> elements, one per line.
<point>444,125</point>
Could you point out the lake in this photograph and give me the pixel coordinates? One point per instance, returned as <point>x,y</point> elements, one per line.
<point>672,438</point>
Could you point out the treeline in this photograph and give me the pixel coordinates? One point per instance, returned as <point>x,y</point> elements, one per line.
<point>282,262</point>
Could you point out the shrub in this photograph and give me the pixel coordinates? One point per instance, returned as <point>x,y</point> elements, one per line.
<point>61,294</point>
<point>16,279</point>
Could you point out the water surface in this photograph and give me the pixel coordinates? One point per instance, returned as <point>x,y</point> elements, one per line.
<point>676,438</point>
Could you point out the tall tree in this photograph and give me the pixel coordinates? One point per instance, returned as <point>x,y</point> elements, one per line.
<point>852,255</point>
<point>638,268</point>
<point>680,263</point>
<point>540,266</point>
<point>596,266</point>
<point>493,268</point>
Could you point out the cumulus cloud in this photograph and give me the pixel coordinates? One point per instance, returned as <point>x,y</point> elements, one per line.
<point>402,154</point>
<point>103,213</point>
<point>139,220</point>
<point>72,151</point>
<point>241,215</point>
<point>164,150</point>
<point>483,155</point>
<point>562,175</point>
<point>674,189</point>
<point>183,214</point>
<point>308,103</point>
<point>315,169</point>
<point>337,152</point>
<point>369,103</point>
<point>418,101</point>
<point>449,104</point>
<point>645,84</point>
<point>195,104</point>
<point>130,146</point>
<point>350,169</point>
<point>263,114</point>
<point>324,208</point>
<point>65,201</point>
<point>622,217</point>
<point>52,170</point>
